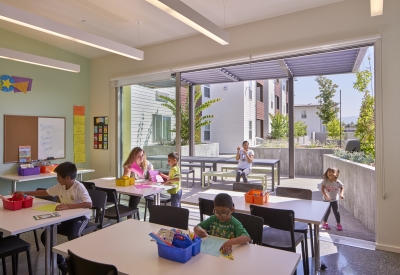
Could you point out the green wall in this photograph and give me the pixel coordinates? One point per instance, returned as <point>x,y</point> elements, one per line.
<point>54,93</point>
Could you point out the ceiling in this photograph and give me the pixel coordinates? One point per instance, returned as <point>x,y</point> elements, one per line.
<point>118,20</point>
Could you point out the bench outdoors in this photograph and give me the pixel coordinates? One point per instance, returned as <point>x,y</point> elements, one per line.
<point>232,174</point>
<point>254,169</point>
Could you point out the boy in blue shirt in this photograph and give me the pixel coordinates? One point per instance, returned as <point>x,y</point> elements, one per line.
<point>223,225</point>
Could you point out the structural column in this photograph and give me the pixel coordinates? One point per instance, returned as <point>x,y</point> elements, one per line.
<point>191,120</point>
<point>178,113</point>
<point>291,127</point>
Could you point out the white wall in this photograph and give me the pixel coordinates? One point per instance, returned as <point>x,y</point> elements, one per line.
<point>313,121</point>
<point>342,21</point>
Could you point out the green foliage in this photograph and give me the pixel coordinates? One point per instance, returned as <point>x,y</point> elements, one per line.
<point>328,110</point>
<point>300,129</point>
<point>199,121</point>
<point>333,128</point>
<point>365,129</point>
<point>359,157</point>
<point>279,125</point>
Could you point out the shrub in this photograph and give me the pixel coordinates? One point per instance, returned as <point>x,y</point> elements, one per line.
<point>359,157</point>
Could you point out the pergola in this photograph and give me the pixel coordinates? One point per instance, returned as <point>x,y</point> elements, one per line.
<point>338,61</point>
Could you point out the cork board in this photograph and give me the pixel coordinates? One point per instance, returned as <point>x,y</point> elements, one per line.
<point>26,130</point>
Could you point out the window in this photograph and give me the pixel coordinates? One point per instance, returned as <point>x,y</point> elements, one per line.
<point>303,114</point>
<point>250,129</point>
<point>207,130</point>
<point>161,128</point>
<point>158,93</point>
<point>277,102</point>
<point>250,94</point>
<point>272,105</point>
<point>283,87</point>
<point>207,91</point>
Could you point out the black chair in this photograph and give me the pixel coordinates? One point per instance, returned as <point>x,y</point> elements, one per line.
<point>280,231</point>
<point>169,216</point>
<point>99,201</point>
<point>117,211</point>
<point>206,207</point>
<point>164,198</point>
<point>11,246</point>
<point>80,266</point>
<point>89,185</point>
<point>245,187</point>
<point>254,226</point>
<point>300,227</point>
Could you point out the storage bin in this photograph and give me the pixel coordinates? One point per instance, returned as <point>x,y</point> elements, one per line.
<point>12,205</point>
<point>29,171</point>
<point>180,252</point>
<point>196,246</point>
<point>48,169</point>
<point>256,197</point>
<point>125,182</point>
<point>27,202</point>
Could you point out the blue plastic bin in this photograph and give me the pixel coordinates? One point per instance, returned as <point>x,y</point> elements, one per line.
<point>180,252</point>
<point>196,246</point>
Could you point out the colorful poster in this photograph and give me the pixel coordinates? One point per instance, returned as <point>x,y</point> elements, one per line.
<point>100,132</point>
<point>24,153</point>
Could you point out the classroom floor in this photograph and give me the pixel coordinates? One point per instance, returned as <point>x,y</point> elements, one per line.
<point>341,253</point>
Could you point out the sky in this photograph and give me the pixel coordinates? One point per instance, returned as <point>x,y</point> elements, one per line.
<point>306,88</point>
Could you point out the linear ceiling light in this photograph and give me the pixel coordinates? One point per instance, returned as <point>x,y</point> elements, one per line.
<point>376,7</point>
<point>190,17</point>
<point>42,24</point>
<point>39,60</point>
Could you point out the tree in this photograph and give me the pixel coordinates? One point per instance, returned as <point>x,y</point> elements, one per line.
<point>365,129</point>
<point>328,110</point>
<point>300,129</point>
<point>333,128</point>
<point>199,121</point>
<point>279,125</point>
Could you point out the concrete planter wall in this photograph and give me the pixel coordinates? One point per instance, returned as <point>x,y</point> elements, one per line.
<point>308,162</point>
<point>206,149</point>
<point>359,188</point>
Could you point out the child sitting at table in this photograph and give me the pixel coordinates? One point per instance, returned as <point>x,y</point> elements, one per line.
<point>223,225</point>
<point>72,194</point>
<point>174,178</point>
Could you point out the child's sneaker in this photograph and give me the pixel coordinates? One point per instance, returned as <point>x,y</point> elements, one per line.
<point>339,227</point>
<point>326,226</point>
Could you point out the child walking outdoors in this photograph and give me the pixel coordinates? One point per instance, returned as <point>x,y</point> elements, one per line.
<point>223,224</point>
<point>174,178</point>
<point>330,188</point>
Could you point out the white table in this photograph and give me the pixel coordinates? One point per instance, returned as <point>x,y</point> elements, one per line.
<point>127,246</point>
<point>307,211</point>
<point>14,178</point>
<point>131,190</point>
<point>20,221</point>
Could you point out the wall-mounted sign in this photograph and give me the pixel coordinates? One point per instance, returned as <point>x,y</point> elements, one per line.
<point>15,84</point>
<point>101,132</point>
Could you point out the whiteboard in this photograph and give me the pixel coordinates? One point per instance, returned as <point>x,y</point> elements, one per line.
<point>51,137</point>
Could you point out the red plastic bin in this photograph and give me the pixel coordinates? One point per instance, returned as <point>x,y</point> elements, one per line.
<point>12,205</point>
<point>27,202</point>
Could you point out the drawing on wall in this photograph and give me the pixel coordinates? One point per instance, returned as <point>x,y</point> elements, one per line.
<point>15,84</point>
<point>100,132</point>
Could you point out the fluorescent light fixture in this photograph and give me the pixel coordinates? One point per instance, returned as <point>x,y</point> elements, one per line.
<point>376,7</point>
<point>42,24</point>
<point>192,18</point>
<point>39,60</point>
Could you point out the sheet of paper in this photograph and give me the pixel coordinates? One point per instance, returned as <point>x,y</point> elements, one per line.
<point>79,148</point>
<point>79,139</point>
<point>79,158</point>
<point>79,129</point>
<point>137,169</point>
<point>47,207</point>
<point>155,177</point>
<point>79,119</point>
<point>141,186</point>
<point>79,110</point>
<point>211,245</point>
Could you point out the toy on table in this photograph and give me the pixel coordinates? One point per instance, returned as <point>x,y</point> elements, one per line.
<point>226,255</point>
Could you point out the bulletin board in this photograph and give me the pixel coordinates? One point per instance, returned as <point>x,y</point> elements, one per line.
<point>45,135</point>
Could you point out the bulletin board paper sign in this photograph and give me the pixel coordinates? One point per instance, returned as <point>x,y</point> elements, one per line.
<point>79,138</point>
<point>79,129</point>
<point>79,119</point>
<point>79,158</point>
<point>79,148</point>
<point>79,110</point>
<point>211,245</point>
<point>47,207</point>
<point>137,170</point>
<point>51,137</point>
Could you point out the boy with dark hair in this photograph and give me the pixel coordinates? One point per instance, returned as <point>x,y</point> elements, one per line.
<point>72,194</point>
<point>174,178</point>
<point>223,225</point>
